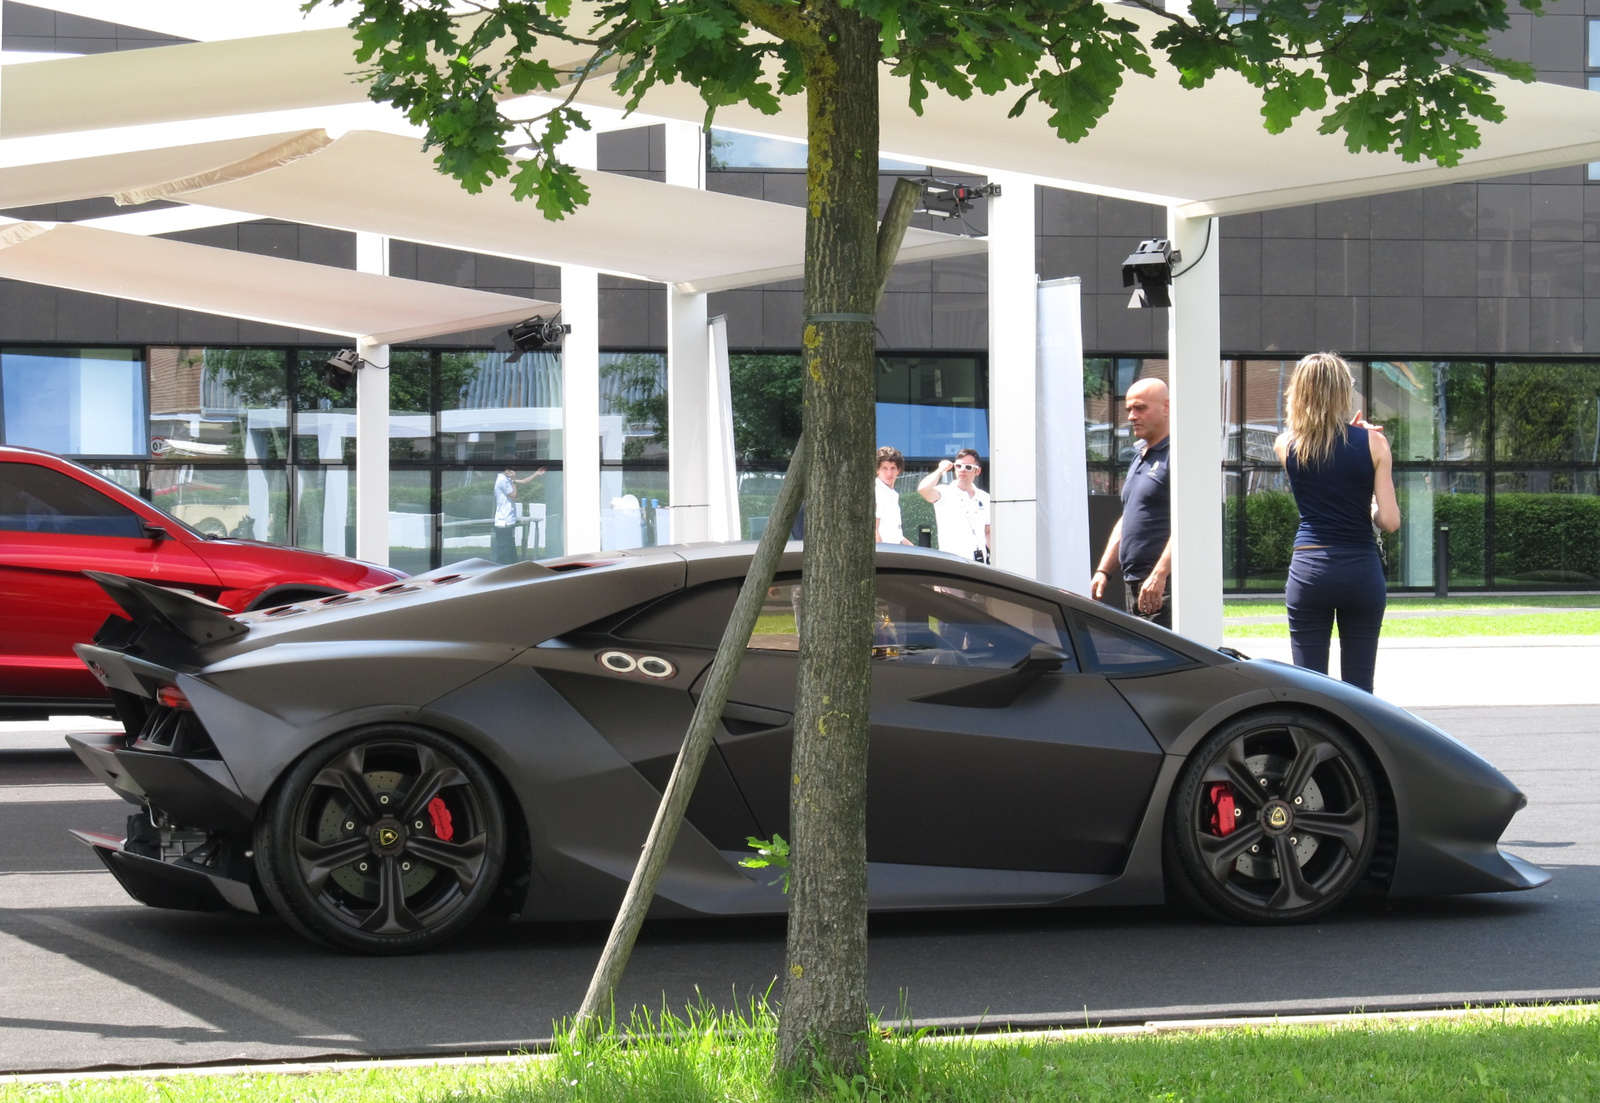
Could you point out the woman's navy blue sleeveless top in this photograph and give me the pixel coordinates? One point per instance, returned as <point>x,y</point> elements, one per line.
<point>1335,498</point>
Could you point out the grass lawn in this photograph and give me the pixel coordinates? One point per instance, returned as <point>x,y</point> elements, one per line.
<point>708,1057</point>
<point>1455,617</point>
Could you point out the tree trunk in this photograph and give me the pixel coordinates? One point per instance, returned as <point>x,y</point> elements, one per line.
<point>825,983</point>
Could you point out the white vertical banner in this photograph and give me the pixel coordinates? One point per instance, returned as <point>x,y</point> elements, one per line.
<point>1013,369</point>
<point>580,398</point>
<point>1063,470</point>
<point>722,476</point>
<point>1194,351</point>
<point>688,398</point>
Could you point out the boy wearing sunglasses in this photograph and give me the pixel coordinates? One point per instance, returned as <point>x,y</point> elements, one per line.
<point>960,509</point>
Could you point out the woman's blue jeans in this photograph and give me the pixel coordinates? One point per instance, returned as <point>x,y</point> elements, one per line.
<point>1343,583</point>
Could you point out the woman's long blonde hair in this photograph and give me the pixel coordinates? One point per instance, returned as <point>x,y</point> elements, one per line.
<point>1321,392</point>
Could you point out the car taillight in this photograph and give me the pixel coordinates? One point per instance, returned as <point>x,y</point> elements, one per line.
<point>172,697</point>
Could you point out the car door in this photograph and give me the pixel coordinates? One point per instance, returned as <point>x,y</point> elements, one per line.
<point>978,759</point>
<point>53,527</point>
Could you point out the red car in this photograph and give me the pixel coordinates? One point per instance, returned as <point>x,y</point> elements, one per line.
<point>58,519</point>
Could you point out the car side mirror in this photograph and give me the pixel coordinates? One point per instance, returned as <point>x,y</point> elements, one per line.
<point>1043,659</point>
<point>153,532</point>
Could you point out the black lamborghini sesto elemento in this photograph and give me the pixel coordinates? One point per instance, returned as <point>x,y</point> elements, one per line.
<point>379,766</point>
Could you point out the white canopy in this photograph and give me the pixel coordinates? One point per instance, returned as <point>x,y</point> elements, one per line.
<point>385,184</point>
<point>1204,151</point>
<point>379,309</point>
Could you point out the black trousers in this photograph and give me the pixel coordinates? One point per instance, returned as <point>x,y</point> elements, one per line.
<point>1130,603</point>
<point>503,544</point>
<point>1344,584</point>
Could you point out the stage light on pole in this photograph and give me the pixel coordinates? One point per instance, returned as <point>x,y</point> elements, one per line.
<point>532,335</point>
<point>346,362</point>
<point>1149,272</point>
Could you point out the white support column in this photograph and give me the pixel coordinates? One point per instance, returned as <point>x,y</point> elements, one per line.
<point>1194,352</point>
<point>1013,373</point>
<point>580,384</point>
<point>372,423</point>
<point>688,366</point>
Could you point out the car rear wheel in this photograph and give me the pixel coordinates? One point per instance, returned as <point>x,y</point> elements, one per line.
<point>1273,819</point>
<point>382,841</point>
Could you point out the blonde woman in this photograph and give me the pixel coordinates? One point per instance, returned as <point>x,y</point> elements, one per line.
<point>1341,475</point>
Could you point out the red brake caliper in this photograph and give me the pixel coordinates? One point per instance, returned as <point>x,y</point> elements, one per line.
<point>445,830</point>
<point>1222,800</point>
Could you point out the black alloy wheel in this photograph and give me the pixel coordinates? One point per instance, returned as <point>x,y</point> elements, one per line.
<point>382,841</point>
<point>1273,820</point>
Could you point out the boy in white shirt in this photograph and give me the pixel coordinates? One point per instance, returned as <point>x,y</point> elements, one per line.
<point>887,526</point>
<point>960,508</point>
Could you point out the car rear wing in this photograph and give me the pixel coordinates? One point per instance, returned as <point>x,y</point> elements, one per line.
<point>189,615</point>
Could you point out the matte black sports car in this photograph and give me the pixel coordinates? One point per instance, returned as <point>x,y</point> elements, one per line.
<point>380,766</point>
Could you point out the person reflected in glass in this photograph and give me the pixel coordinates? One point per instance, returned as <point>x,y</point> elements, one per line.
<point>886,525</point>
<point>504,542</point>
<point>1341,473</point>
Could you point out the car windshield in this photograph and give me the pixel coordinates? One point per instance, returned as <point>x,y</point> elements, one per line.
<point>100,482</point>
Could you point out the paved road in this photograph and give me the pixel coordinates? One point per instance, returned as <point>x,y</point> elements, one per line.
<point>91,979</point>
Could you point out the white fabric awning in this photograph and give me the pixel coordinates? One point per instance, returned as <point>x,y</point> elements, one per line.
<point>1204,151</point>
<point>382,309</point>
<point>385,184</point>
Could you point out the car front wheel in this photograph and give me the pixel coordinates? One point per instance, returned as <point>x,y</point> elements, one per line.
<point>382,841</point>
<point>1273,819</point>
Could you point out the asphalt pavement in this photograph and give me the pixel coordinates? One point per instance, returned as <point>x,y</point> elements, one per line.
<point>92,979</point>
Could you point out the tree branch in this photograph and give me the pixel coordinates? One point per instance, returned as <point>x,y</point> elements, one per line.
<point>780,20</point>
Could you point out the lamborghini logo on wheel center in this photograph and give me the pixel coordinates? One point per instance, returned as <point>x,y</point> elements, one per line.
<point>388,836</point>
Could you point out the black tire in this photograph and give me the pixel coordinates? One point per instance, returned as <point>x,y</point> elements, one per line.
<point>1273,819</point>
<point>339,862</point>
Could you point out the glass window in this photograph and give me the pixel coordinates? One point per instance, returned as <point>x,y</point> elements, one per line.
<point>767,393</point>
<point>74,401</point>
<point>778,625</point>
<point>325,412</point>
<point>1547,413</point>
<point>1099,409</point>
<point>939,621</point>
<point>634,507</point>
<point>325,509</point>
<point>219,404</point>
<point>529,522</point>
<point>634,500</point>
<point>729,149</point>
<point>241,503</point>
<point>1594,43</point>
<point>1546,529</point>
<point>411,521</point>
<point>1431,409</point>
<point>495,411</point>
<point>1271,519</point>
<point>411,406</point>
<point>1265,383</point>
<point>1112,650</point>
<point>758,493</point>
<point>932,406</point>
<point>38,499</point>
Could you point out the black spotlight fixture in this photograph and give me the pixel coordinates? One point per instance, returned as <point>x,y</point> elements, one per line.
<point>345,362</point>
<point>532,335</point>
<point>1149,272</point>
<point>943,199</point>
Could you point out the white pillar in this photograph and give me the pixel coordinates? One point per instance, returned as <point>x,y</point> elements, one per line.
<point>1062,469</point>
<point>372,423</point>
<point>688,402</point>
<point>580,384</point>
<point>689,390</point>
<point>1013,373</point>
<point>1194,353</point>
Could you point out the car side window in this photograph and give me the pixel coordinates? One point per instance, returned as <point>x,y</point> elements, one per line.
<point>1112,650</point>
<point>39,499</point>
<point>932,620</point>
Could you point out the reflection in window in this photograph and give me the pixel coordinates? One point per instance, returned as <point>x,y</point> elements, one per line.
<point>325,499</point>
<point>240,503</point>
<point>410,406</point>
<point>932,406</point>
<point>497,411</point>
<point>1546,529</point>
<point>1547,413</point>
<point>633,444</point>
<point>74,401</point>
<point>1430,409</point>
<point>411,520</point>
<point>729,149</point>
<point>325,412</point>
<point>1116,651</point>
<point>531,520</point>
<point>778,625</point>
<point>218,404</point>
<point>922,619</point>
<point>37,499</point>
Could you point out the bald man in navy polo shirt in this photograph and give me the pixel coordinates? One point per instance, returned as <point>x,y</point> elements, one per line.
<point>1141,544</point>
